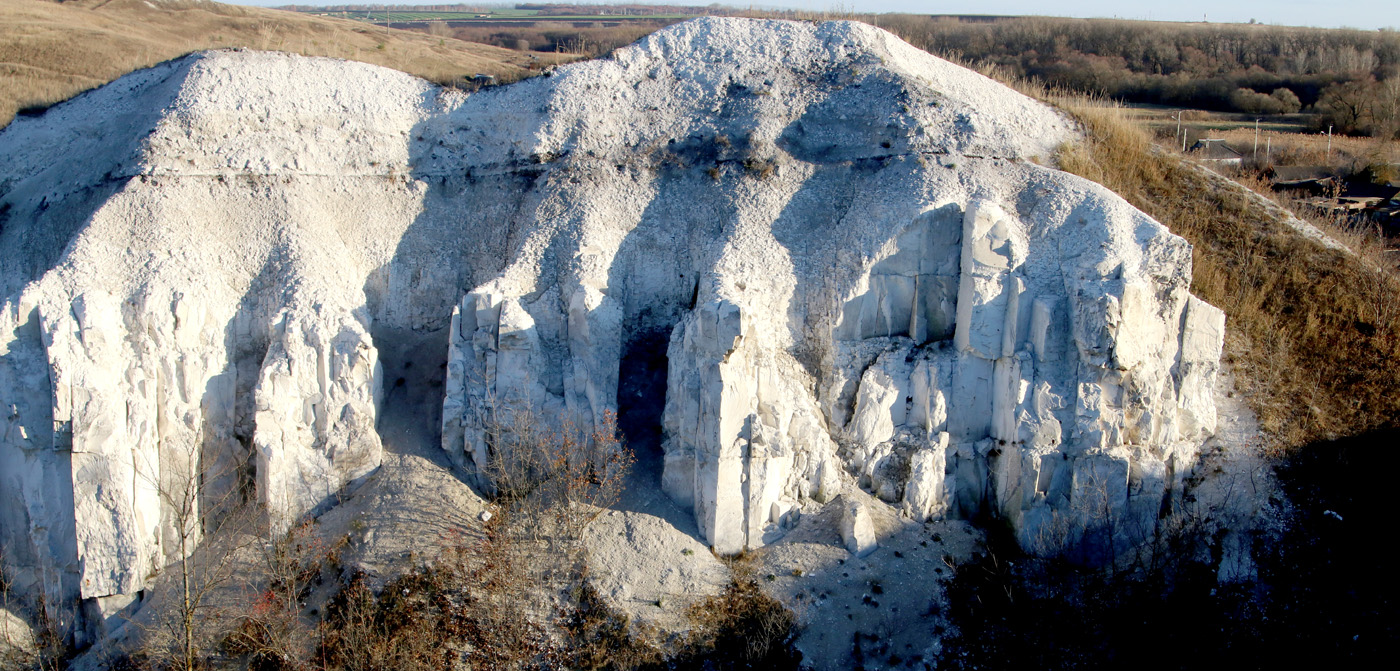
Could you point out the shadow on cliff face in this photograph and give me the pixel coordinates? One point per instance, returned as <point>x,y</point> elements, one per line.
<point>657,274</point>
<point>37,221</point>
<point>473,214</point>
<point>1326,593</point>
<point>39,554</point>
<point>246,343</point>
<point>641,401</point>
<point>93,159</point>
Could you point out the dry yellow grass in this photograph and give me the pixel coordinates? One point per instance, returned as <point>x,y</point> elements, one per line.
<point>51,51</point>
<point>1312,332</point>
<point>1312,148</point>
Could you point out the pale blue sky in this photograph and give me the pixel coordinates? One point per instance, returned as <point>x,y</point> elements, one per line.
<point>1365,14</point>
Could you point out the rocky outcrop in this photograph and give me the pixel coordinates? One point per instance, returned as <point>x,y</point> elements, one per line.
<point>204,323</point>
<point>1068,397</point>
<point>857,531</point>
<point>735,422</point>
<point>865,274</point>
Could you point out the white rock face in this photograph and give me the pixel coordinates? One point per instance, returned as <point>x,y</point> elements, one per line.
<point>317,396</point>
<point>862,275</point>
<point>187,301</point>
<point>857,531</point>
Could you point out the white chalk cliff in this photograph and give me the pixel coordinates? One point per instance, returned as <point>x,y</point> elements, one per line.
<point>864,268</point>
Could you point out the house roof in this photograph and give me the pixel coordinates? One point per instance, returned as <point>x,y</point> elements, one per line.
<point>1215,150</point>
<point>1298,173</point>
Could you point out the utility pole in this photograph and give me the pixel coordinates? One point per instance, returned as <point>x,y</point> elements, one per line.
<point>1178,124</point>
<point>1269,149</point>
<point>1329,143</point>
<point>1256,140</point>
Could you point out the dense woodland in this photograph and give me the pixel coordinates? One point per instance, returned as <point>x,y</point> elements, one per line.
<point>1351,78</point>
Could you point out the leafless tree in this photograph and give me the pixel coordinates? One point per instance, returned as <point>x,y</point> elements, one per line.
<point>207,530</point>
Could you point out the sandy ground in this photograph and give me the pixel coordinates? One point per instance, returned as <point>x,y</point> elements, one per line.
<point>888,603</point>
<point>648,560</point>
<point>1236,491</point>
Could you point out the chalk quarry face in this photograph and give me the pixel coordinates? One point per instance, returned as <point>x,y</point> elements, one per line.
<point>850,250</point>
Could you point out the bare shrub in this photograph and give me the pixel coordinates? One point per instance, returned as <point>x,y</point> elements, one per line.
<point>602,637</point>
<point>761,168</point>
<point>483,601</point>
<point>554,481</point>
<point>272,634</point>
<point>741,627</point>
<point>506,598</point>
<point>17,647</point>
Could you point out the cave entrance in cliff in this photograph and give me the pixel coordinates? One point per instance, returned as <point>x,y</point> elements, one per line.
<point>641,399</point>
<point>414,365</point>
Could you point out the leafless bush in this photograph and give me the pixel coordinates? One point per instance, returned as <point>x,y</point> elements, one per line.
<point>16,646</point>
<point>761,168</point>
<point>555,480</point>
<point>741,626</point>
<point>483,601</point>
<point>602,637</point>
<point>272,634</point>
<point>491,600</point>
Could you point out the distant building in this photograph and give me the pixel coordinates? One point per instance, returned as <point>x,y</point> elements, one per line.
<point>1216,152</point>
<point>1301,173</point>
<point>1314,180</point>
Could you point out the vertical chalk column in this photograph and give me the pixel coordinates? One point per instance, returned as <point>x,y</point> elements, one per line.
<point>988,384</point>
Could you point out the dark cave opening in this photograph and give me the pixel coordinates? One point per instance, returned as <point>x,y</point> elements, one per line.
<point>641,400</point>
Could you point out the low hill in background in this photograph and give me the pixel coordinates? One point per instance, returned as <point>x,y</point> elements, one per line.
<point>51,51</point>
<point>1350,78</point>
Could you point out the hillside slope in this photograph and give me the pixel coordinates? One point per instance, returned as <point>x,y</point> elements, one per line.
<point>50,51</point>
<point>1312,329</point>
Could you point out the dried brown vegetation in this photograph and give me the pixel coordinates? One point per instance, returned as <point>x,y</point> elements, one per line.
<point>1310,330</point>
<point>741,627</point>
<point>513,594</point>
<point>555,480</point>
<point>485,601</point>
<point>1349,78</point>
<point>557,36</point>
